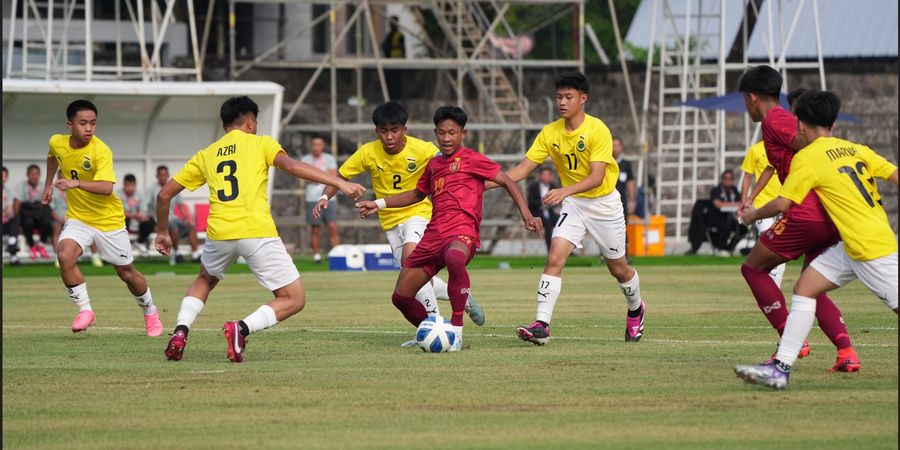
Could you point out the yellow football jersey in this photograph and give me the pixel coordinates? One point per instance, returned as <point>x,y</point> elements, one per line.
<point>93,162</point>
<point>393,174</point>
<point>755,161</point>
<point>236,168</point>
<point>573,152</point>
<point>843,175</point>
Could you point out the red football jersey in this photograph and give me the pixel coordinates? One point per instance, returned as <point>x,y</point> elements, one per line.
<point>778,130</point>
<point>456,186</point>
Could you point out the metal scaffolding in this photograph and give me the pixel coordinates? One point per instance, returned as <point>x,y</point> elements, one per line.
<point>692,148</point>
<point>38,31</point>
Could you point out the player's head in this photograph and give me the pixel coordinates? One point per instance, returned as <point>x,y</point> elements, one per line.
<point>617,147</point>
<point>390,124</point>
<point>450,128</point>
<point>129,184</point>
<point>162,175</point>
<point>727,178</point>
<point>81,118</point>
<point>761,88</point>
<point>572,89</point>
<point>794,95</point>
<point>239,112</point>
<point>5,174</point>
<point>33,173</point>
<point>816,113</point>
<point>317,145</point>
<point>546,175</point>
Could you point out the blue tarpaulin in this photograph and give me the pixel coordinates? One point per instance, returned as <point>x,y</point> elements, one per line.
<point>734,102</point>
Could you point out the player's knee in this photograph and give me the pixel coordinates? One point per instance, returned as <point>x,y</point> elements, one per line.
<point>621,272</point>
<point>400,301</point>
<point>555,263</point>
<point>127,273</point>
<point>455,260</point>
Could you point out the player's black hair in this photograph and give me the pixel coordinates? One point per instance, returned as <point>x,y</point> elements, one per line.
<point>161,167</point>
<point>79,105</point>
<point>574,80</point>
<point>32,166</point>
<point>761,80</point>
<point>819,108</point>
<point>234,109</point>
<point>390,113</point>
<point>129,177</point>
<point>795,94</point>
<point>454,113</point>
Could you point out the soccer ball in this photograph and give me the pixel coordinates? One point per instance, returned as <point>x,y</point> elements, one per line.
<point>435,335</point>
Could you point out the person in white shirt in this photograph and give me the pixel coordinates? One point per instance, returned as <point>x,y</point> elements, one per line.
<point>314,191</point>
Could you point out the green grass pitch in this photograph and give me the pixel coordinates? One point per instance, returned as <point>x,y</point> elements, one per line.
<point>334,375</point>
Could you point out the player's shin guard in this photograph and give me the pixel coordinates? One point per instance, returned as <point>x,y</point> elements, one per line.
<point>799,322</point>
<point>145,301</point>
<point>426,297</point>
<point>79,296</point>
<point>632,291</point>
<point>190,309</point>
<point>547,293</point>
<point>412,310</point>
<point>262,318</point>
<point>831,322</point>
<point>459,285</point>
<point>768,296</point>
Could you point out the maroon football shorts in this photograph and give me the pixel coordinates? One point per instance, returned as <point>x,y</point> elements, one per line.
<point>790,238</point>
<point>429,252</point>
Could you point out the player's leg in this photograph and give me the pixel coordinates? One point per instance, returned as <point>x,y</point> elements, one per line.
<point>410,280</point>
<point>456,257</point>
<point>315,242</point>
<point>777,273</point>
<point>74,238</point>
<point>549,287</point>
<point>767,293</point>
<point>403,239</point>
<point>275,270</point>
<point>28,226</point>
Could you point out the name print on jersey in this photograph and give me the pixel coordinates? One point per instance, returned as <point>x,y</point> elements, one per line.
<point>227,150</point>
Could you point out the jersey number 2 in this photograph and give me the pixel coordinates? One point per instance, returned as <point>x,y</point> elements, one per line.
<point>397,181</point>
<point>230,178</point>
<point>854,176</point>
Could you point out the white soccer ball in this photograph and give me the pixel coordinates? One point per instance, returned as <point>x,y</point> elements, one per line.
<point>435,335</point>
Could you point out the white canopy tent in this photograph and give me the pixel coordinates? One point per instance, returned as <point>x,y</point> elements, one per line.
<point>145,124</point>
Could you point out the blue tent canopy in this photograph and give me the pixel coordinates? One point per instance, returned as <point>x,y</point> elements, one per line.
<point>734,102</point>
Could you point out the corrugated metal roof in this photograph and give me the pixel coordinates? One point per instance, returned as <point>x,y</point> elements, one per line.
<point>866,28</point>
<point>848,29</point>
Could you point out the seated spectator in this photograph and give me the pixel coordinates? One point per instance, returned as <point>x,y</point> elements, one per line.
<point>709,221</point>
<point>135,217</point>
<point>536,192</point>
<point>10,222</point>
<point>32,214</point>
<point>179,227</point>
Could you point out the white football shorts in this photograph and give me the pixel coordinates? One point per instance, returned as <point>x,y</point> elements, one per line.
<point>114,246</point>
<point>879,275</point>
<point>602,218</point>
<point>267,258</point>
<point>410,231</point>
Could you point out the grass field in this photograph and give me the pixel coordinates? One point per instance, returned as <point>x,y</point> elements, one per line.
<point>334,376</point>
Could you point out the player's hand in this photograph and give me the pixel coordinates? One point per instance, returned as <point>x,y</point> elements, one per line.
<point>47,197</point>
<point>321,205</point>
<point>534,224</point>
<point>366,208</point>
<point>555,197</point>
<point>352,190</point>
<point>65,184</point>
<point>164,243</point>
<point>748,215</point>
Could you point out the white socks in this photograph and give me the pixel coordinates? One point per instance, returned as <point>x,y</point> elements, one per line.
<point>440,288</point>
<point>547,293</point>
<point>632,291</point>
<point>262,318</point>
<point>145,301</point>
<point>777,274</point>
<point>190,309</point>
<point>425,296</point>
<point>799,322</point>
<point>79,297</point>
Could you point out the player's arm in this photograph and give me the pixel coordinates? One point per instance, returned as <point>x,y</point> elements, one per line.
<point>771,209</point>
<point>893,177</point>
<point>761,183</point>
<point>594,179</point>
<point>312,173</point>
<point>94,187</point>
<point>531,223</point>
<point>517,173</point>
<point>163,203</point>
<point>369,207</point>
<point>327,194</point>
<point>52,167</point>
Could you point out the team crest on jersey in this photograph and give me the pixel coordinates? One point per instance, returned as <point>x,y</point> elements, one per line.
<point>86,164</point>
<point>454,166</point>
<point>580,146</point>
<point>411,165</point>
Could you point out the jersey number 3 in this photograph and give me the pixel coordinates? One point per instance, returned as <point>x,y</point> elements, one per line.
<point>230,178</point>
